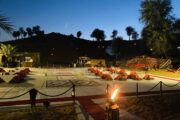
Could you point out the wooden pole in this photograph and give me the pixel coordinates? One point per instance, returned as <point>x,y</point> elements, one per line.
<point>137,89</point>
<point>161,88</point>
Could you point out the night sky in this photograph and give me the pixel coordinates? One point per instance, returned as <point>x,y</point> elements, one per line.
<point>70,16</point>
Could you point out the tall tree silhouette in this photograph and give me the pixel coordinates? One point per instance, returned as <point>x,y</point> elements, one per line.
<point>135,35</point>
<point>29,31</point>
<point>16,34</point>
<point>98,34</point>
<point>115,48</point>
<point>24,34</point>
<point>114,34</point>
<point>5,24</point>
<point>36,29</point>
<point>78,34</point>
<point>156,15</point>
<point>129,31</point>
<point>21,30</point>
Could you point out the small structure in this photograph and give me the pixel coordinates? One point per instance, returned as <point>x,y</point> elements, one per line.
<point>24,59</point>
<point>27,59</point>
<point>82,60</point>
<point>87,62</point>
<point>96,63</point>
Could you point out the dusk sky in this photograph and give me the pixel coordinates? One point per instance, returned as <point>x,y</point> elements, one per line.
<point>70,16</point>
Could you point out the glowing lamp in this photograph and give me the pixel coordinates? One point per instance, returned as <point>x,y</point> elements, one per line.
<point>112,109</point>
<point>113,96</point>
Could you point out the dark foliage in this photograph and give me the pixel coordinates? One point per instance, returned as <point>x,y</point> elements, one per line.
<point>58,49</point>
<point>98,34</point>
<point>79,33</point>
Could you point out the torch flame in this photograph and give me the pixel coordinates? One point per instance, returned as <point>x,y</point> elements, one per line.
<point>114,94</point>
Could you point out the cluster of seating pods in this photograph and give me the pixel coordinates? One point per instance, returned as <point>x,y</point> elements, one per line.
<point>13,76</point>
<point>120,74</point>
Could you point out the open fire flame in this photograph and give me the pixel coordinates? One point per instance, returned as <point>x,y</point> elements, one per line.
<point>114,94</point>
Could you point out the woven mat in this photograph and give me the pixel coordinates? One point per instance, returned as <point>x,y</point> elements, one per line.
<point>67,83</point>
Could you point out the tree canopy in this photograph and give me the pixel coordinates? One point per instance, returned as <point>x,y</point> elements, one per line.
<point>156,15</point>
<point>135,35</point>
<point>78,34</point>
<point>8,51</point>
<point>98,34</point>
<point>114,34</point>
<point>115,48</point>
<point>129,31</point>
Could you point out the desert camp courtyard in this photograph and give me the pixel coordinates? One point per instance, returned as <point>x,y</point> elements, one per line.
<point>89,86</point>
<point>56,80</point>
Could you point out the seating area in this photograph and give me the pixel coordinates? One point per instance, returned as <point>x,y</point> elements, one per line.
<point>142,62</point>
<point>118,74</point>
<point>13,76</point>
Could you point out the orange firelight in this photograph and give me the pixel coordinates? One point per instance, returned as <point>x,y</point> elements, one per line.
<point>114,94</point>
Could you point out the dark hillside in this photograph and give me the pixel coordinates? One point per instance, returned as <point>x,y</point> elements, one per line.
<point>56,48</point>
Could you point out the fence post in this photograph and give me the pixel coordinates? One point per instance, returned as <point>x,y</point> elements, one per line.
<point>33,93</point>
<point>73,94</point>
<point>137,89</point>
<point>107,90</point>
<point>161,88</point>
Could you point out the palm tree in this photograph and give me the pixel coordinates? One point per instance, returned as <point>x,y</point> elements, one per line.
<point>78,34</point>
<point>98,34</point>
<point>24,34</point>
<point>114,34</point>
<point>36,29</point>
<point>8,51</point>
<point>29,31</point>
<point>21,30</point>
<point>16,34</point>
<point>5,24</point>
<point>129,31</point>
<point>135,35</point>
<point>156,15</point>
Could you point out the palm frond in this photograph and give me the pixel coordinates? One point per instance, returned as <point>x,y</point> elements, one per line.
<point>5,24</point>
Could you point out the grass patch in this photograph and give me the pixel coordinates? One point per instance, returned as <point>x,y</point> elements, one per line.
<point>63,112</point>
<point>165,73</point>
<point>154,107</point>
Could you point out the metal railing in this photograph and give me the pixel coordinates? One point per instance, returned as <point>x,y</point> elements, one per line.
<point>160,84</point>
<point>33,93</point>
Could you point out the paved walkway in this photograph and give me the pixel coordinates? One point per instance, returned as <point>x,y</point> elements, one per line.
<point>92,108</point>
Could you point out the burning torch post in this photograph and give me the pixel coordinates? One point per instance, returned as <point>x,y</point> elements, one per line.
<point>112,109</point>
